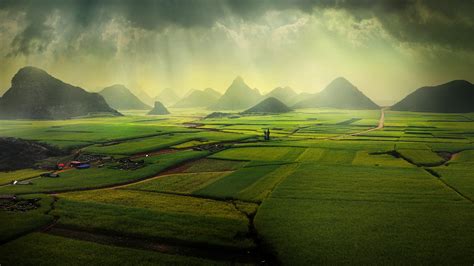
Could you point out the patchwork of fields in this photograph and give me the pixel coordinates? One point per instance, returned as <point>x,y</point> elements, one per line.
<point>323,190</point>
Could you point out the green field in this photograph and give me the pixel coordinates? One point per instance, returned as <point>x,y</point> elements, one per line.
<point>323,190</point>
<point>9,177</point>
<point>53,250</point>
<point>152,215</point>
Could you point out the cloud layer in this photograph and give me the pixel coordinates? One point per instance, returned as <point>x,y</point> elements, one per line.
<point>186,43</point>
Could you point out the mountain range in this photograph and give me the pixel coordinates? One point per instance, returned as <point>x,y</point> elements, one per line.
<point>238,96</point>
<point>270,105</point>
<point>456,96</point>
<point>167,97</point>
<point>158,109</point>
<point>285,94</point>
<point>34,94</point>
<point>198,98</point>
<point>340,93</point>
<point>120,98</point>
<point>143,96</point>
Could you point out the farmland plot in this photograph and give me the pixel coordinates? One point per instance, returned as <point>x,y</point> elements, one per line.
<point>54,250</point>
<point>17,221</point>
<point>421,157</point>
<point>155,215</point>
<point>254,153</point>
<point>311,195</point>
<point>96,177</point>
<point>350,213</point>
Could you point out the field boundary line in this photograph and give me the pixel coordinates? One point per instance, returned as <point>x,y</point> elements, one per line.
<point>440,178</point>
<point>226,200</point>
<point>163,175</point>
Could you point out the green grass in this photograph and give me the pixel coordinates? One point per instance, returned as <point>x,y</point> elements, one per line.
<point>231,185</point>
<point>461,179</point>
<point>459,174</point>
<point>189,144</point>
<point>253,153</point>
<point>70,133</point>
<point>44,249</point>
<point>312,181</point>
<point>166,140</point>
<point>361,214</point>
<point>105,176</point>
<point>421,157</point>
<point>9,177</point>
<point>311,155</point>
<point>155,215</point>
<point>14,224</point>
<point>323,201</point>
<point>214,165</point>
<point>309,232</point>
<point>366,159</point>
<point>337,157</point>
<point>141,145</point>
<point>185,183</point>
<point>464,158</point>
<point>261,189</point>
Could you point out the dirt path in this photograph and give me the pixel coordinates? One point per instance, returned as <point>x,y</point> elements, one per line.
<point>380,126</point>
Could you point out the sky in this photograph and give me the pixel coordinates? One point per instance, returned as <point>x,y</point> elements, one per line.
<point>386,48</point>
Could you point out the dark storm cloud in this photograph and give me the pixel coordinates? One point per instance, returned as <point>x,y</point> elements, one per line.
<point>34,38</point>
<point>427,22</point>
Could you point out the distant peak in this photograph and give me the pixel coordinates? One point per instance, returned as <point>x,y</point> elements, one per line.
<point>459,82</point>
<point>31,70</point>
<point>339,84</point>
<point>269,105</point>
<point>115,87</point>
<point>158,104</point>
<point>341,80</point>
<point>120,86</point>
<point>239,85</point>
<point>238,79</point>
<point>271,99</point>
<point>28,73</point>
<point>285,88</point>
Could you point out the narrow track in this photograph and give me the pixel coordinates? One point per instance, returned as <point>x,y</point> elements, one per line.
<point>380,126</point>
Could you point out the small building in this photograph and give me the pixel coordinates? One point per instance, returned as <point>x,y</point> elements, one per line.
<point>83,166</point>
<point>75,163</point>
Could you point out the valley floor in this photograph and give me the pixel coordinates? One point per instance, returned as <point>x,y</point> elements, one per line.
<point>329,187</point>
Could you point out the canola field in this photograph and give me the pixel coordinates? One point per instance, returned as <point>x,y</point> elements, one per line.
<point>329,187</point>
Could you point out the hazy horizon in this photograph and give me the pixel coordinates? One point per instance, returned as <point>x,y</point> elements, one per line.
<point>385,48</point>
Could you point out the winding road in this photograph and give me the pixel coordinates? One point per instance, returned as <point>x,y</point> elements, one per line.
<point>380,125</point>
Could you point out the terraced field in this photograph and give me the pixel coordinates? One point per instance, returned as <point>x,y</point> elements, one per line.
<point>185,190</point>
